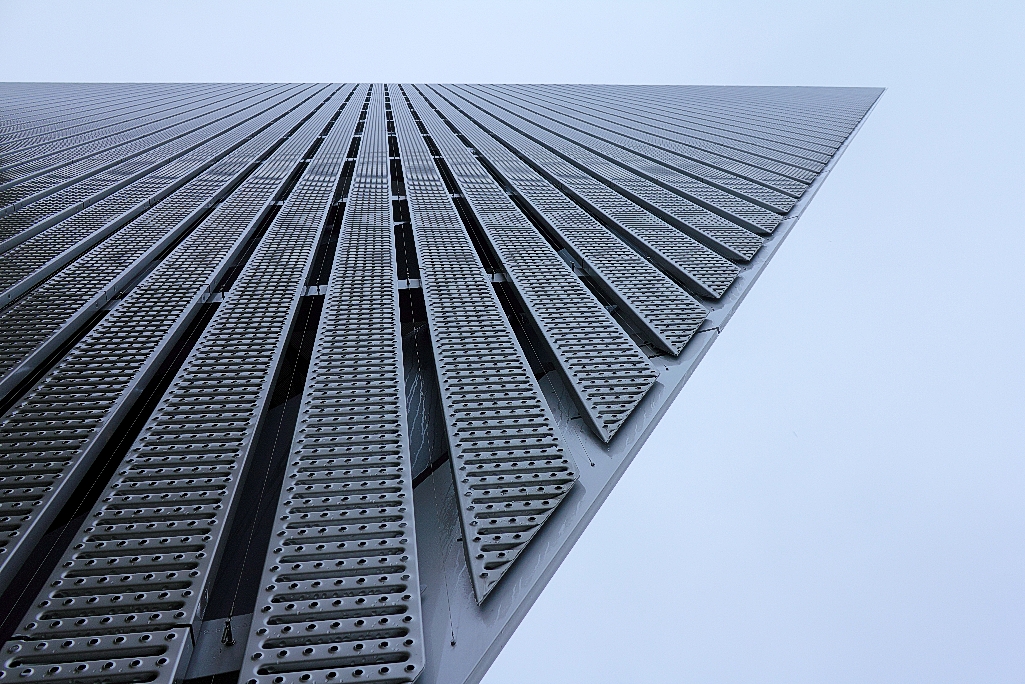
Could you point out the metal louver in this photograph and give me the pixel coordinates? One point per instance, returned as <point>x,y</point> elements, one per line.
<point>321,382</point>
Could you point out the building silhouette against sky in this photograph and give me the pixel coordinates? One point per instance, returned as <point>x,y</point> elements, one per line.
<point>320,382</point>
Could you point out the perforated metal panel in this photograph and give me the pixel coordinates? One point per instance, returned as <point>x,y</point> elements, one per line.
<point>702,269</point>
<point>660,130</point>
<point>706,226</point>
<point>47,112</point>
<point>667,313</point>
<point>37,154</point>
<point>340,598</point>
<point>510,469</point>
<point>793,119</point>
<point>62,200</point>
<point>43,318</point>
<point>604,367</point>
<point>743,208</point>
<point>144,559</point>
<point>51,435</point>
<point>764,187</point>
<point>36,258</point>
<point>20,192</point>
<point>233,310</point>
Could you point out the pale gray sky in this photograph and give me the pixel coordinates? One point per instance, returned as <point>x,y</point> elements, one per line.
<point>837,494</point>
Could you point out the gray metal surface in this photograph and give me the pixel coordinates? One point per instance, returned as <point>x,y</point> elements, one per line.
<point>666,313</point>
<point>508,463</point>
<point>340,597</point>
<point>717,149</point>
<point>48,105</point>
<point>39,212</point>
<point>22,191</point>
<point>38,257</point>
<point>50,109</point>
<point>77,143</point>
<point>719,170</point>
<point>780,123</point>
<point>745,205</point>
<point>701,269</point>
<point>606,370</point>
<point>52,435</point>
<point>144,559</point>
<point>33,161</point>
<point>46,316</point>
<point>711,229</point>
<point>507,284</point>
<point>463,639</point>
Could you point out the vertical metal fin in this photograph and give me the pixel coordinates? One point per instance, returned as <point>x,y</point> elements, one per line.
<point>30,262</point>
<point>743,210</point>
<point>712,147</point>
<point>693,263</point>
<point>667,314</point>
<point>144,559</point>
<point>82,183</point>
<point>510,471</point>
<point>716,232</point>
<point>52,435</point>
<point>764,187</point>
<point>605,369</point>
<point>44,317</point>
<point>137,119</point>
<point>340,599</point>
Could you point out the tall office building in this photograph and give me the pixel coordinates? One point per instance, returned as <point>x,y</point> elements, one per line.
<point>319,383</point>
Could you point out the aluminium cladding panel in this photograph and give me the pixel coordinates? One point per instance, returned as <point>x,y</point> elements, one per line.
<point>20,192</point>
<point>509,466</point>
<point>654,118</point>
<point>464,638</point>
<point>37,258</point>
<point>641,141</point>
<point>43,213</point>
<point>80,123</point>
<point>800,124</point>
<point>58,109</point>
<point>755,207</point>
<point>143,561</point>
<point>660,129</point>
<point>38,152</point>
<point>34,159</point>
<point>48,315</point>
<point>788,180</point>
<point>606,370</point>
<point>706,272</point>
<point>667,313</point>
<point>38,215</point>
<point>725,203</point>
<point>733,126</point>
<point>20,172</point>
<point>26,103</point>
<point>101,659</point>
<point>718,233</point>
<point>706,105</point>
<point>52,435</point>
<point>67,195</point>
<point>63,114</point>
<point>28,169</point>
<point>340,595</point>
<point>764,187</point>
<point>814,112</point>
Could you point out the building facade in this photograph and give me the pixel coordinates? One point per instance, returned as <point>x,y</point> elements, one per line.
<point>320,382</point>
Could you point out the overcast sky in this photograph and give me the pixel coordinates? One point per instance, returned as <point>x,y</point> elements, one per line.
<point>838,494</point>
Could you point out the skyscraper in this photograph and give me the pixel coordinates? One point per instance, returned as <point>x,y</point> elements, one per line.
<point>320,383</point>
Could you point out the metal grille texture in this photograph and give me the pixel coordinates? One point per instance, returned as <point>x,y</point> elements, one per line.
<point>339,372</point>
